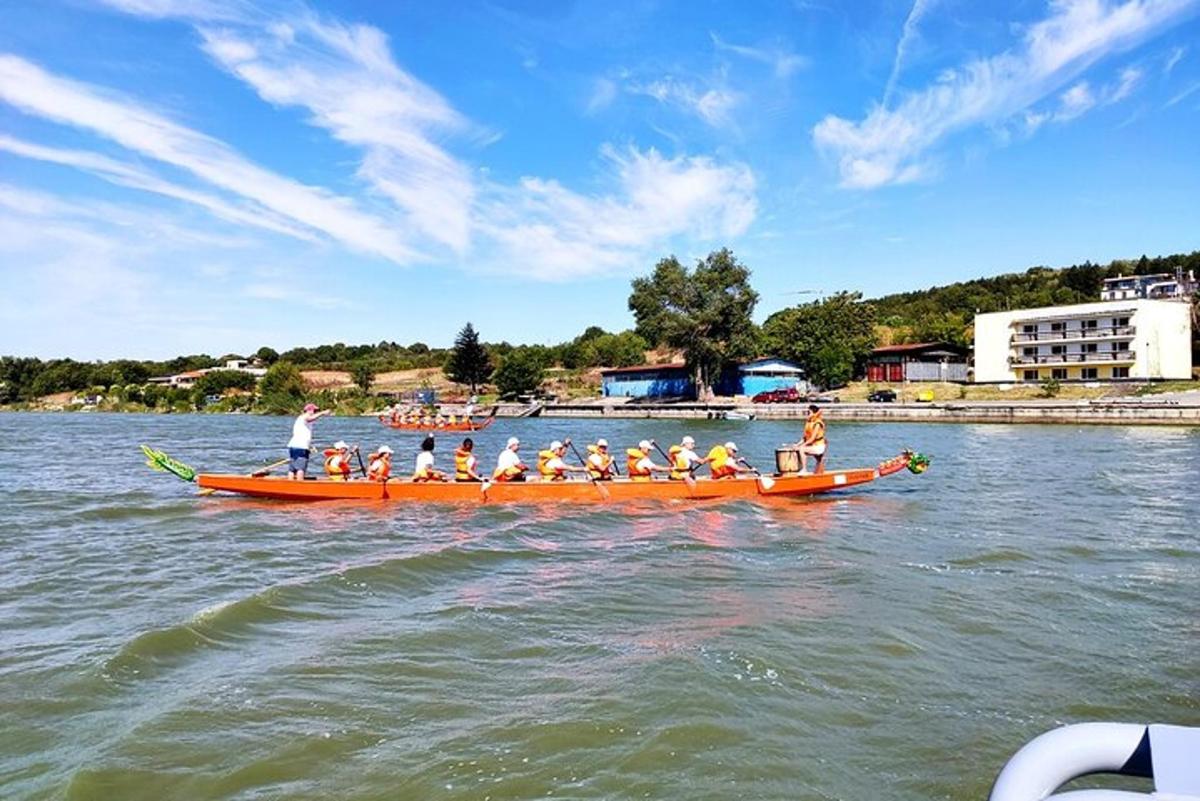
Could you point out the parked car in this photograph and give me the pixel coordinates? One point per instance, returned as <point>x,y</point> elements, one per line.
<point>788,395</point>
<point>821,397</point>
<point>882,396</point>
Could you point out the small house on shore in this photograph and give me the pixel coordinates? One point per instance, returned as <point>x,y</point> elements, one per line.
<point>675,380</point>
<point>763,375</point>
<point>921,361</point>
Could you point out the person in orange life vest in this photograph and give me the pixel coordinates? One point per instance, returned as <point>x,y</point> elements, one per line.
<point>684,459</point>
<point>813,443</point>
<point>638,463</point>
<point>379,467</point>
<point>509,466</point>
<point>723,461</point>
<point>599,462</point>
<point>425,470</point>
<point>552,467</point>
<point>465,463</point>
<point>337,462</point>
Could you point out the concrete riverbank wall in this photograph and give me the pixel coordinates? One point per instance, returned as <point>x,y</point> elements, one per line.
<point>1115,412</point>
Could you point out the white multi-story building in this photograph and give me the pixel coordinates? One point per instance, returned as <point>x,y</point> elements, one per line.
<point>1135,339</point>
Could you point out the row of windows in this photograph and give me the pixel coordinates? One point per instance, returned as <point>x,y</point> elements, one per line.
<point>1094,322</point>
<point>1087,347</point>
<point>1085,374</point>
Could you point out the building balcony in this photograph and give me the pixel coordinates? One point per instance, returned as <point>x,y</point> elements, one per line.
<point>1077,334</point>
<point>1099,357</point>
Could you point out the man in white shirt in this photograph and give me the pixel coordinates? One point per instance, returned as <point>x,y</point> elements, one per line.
<point>301,442</point>
<point>509,466</point>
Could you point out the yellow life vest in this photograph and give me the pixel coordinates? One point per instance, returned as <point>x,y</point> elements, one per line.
<point>601,465</point>
<point>544,468</point>
<point>464,461</point>
<point>680,464</point>
<point>337,467</point>
<point>720,462</point>
<point>814,429</point>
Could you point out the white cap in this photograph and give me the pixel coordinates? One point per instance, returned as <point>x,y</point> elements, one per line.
<point>385,449</point>
<point>644,445</point>
<point>341,445</point>
<point>513,441</point>
<point>688,441</point>
<point>555,445</point>
<point>601,443</point>
<point>729,446</point>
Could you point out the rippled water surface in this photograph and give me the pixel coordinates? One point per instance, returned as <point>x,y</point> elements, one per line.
<point>897,641</point>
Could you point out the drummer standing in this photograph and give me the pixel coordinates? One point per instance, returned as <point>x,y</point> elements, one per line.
<point>813,443</point>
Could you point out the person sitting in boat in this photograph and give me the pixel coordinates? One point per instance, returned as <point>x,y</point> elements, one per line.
<point>813,443</point>
<point>425,471</point>
<point>723,461</point>
<point>638,463</point>
<point>684,459</point>
<point>379,464</point>
<point>438,419</point>
<point>465,463</point>
<point>600,464</point>
<point>452,420</point>
<point>509,466</point>
<point>552,466</point>
<point>337,461</point>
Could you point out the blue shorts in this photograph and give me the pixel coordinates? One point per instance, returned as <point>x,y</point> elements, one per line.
<point>299,457</point>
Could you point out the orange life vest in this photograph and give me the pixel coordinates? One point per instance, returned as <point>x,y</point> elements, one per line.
<point>380,469</point>
<point>814,429</point>
<point>337,466</point>
<point>599,464</point>
<point>508,473</point>
<point>545,470</point>
<point>464,465</point>
<point>632,457</point>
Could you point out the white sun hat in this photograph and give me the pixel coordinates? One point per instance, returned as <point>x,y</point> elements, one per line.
<point>688,441</point>
<point>513,441</point>
<point>601,443</point>
<point>729,446</point>
<point>555,445</point>
<point>644,445</point>
<point>341,445</point>
<point>385,449</point>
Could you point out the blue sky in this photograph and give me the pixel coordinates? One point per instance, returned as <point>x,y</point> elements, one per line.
<point>180,176</point>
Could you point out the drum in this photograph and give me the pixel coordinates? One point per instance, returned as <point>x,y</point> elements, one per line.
<point>787,461</point>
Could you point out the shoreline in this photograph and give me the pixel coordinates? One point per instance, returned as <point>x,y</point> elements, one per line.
<point>1117,411</point>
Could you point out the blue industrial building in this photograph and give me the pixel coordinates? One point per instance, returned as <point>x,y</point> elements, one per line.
<point>675,380</point>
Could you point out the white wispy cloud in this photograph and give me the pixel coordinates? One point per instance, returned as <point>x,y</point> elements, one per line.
<point>127,175</point>
<point>604,92</point>
<point>1075,101</point>
<point>1126,84</point>
<point>907,35</point>
<point>34,91</point>
<point>345,76</point>
<point>1184,95</point>
<point>891,145</point>
<point>1173,58</point>
<point>713,105</point>
<point>783,62</point>
<point>558,235</point>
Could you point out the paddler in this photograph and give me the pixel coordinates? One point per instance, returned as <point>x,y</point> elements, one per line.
<point>813,443</point>
<point>638,463</point>
<point>425,471</point>
<point>337,461</point>
<point>379,464</point>
<point>723,461</point>
<point>509,466</point>
<point>599,461</point>
<point>684,459</point>
<point>465,463</point>
<point>552,466</point>
<point>301,442</point>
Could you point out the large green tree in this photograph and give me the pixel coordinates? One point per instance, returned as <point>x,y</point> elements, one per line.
<point>704,312</point>
<point>282,389</point>
<point>363,374</point>
<point>469,362</point>
<point>830,338</point>
<point>520,372</point>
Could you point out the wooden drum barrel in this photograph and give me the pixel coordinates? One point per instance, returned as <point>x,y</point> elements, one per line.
<point>787,461</point>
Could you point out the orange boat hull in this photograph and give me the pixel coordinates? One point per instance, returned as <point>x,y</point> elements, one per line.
<point>577,491</point>
<point>468,426</point>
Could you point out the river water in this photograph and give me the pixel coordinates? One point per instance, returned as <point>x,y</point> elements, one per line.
<point>898,641</point>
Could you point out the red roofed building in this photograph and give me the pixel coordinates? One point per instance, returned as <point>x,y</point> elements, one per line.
<point>921,361</point>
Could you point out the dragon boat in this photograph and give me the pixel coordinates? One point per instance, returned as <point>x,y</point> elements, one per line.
<point>467,425</point>
<point>747,487</point>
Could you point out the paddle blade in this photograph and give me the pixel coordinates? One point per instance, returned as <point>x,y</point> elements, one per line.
<point>766,482</point>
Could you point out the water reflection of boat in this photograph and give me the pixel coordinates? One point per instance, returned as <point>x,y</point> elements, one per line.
<point>747,487</point>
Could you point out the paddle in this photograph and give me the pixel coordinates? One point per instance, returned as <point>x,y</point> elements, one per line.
<point>766,481</point>
<point>689,479</point>
<point>361,467</point>
<point>595,482</point>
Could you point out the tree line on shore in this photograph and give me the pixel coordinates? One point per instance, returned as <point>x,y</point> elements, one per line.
<point>703,314</point>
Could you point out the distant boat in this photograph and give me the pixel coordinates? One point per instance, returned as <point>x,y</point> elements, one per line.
<point>738,416</point>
